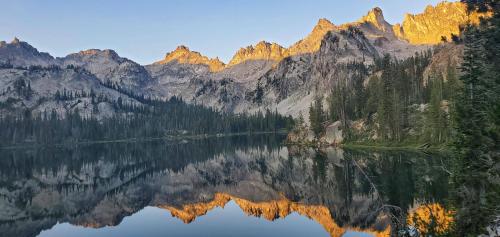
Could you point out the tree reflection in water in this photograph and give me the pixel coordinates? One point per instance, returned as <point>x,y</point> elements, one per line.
<point>99,185</point>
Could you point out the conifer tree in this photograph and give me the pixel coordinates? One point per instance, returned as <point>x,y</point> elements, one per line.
<point>476,175</point>
<point>435,116</point>
<point>316,116</point>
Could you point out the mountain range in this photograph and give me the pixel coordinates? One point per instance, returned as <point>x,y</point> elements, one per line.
<point>258,77</point>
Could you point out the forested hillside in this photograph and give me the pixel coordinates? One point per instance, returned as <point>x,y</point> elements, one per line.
<point>396,103</point>
<point>150,119</point>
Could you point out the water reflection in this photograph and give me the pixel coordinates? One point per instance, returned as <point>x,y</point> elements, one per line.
<point>345,192</point>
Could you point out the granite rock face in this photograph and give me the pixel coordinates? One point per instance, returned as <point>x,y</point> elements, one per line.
<point>184,55</point>
<point>443,20</point>
<point>109,67</point>
<point>374,24</point>
<point>261,51</point>
<point>44,84</point>
<point>20,54</point>
<point>81,74</point>
<point>312,42</point>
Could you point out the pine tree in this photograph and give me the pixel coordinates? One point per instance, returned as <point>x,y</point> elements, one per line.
<point>385,110</point>
<point>452,84</point>
<point>373,97</point>
<point>316,116</point>
<point>435,115</point>
<point>475,177</point>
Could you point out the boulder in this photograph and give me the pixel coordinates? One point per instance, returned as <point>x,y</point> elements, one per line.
<point>333,134</point>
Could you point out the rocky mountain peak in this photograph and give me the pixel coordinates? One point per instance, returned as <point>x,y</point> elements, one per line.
<point>15,41</point>
<point>96,51</point>
<point>182,48</point>
<point>20,53</point>
<point>312,42</point>
<point>374,21</point>
<point>108,53</point>
<point>262,45</point>
<point>261,51</point>
<point>436,22</point>
<point>428,27</point>
<point>183,55</point>
<point>323,25</point>
<point>375,17</point>
<point>108,66</point>
<point>93,57</point>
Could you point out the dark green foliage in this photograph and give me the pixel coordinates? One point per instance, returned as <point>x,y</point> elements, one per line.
<point>452,84</point>
<point>437,126</point>
<point>348,95</point>
<point>477,118</point>
<point>395,85</point>
<point>259,93</point>
<point>23,89</point>
<point>156,118</point>
<point>400,85</point>
<point>481,5</point>
<point>317,116</point>
<point>18,164</point>
<point>388,110</point>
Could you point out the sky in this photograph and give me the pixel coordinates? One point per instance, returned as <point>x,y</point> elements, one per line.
<point>144,31</point>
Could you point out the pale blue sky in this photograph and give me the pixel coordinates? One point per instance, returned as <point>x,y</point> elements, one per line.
<point>145,30</point>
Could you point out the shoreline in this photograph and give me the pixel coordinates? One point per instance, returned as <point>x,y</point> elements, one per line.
<point>402,147</point>
<point>144,139</point>
<point>443,148</point>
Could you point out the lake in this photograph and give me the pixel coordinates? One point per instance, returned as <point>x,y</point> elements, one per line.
<point>237,186</point>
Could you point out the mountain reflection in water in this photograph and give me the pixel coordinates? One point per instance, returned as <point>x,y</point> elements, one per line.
<point>343,191</point>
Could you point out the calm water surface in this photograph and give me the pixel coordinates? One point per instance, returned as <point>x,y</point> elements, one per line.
<point>240,186</point>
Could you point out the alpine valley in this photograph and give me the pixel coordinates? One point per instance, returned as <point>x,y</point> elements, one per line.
<point>258,77</point>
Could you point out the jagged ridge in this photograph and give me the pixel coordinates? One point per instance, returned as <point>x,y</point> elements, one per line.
<point>436,22</point>
<point>262,51</point>
<point>270,210</point>
<point>184,55</point>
